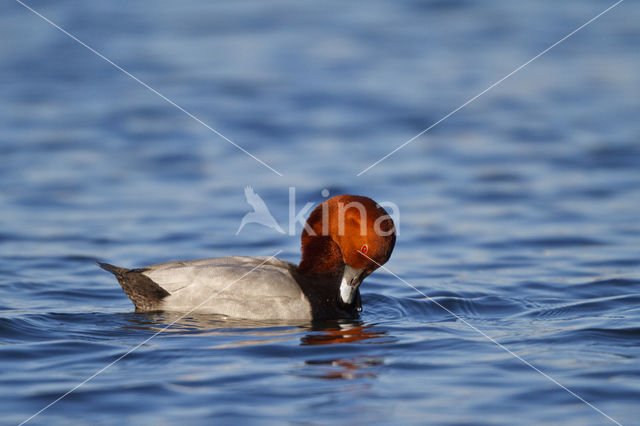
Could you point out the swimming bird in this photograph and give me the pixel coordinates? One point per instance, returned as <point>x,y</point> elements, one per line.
<point>344,240</point>
<point>260,213</point>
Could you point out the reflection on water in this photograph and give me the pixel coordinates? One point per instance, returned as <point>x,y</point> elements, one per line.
<point>344,369</point>
<point>337,332</point>
<point>238,333</point>
<point>177,322</point>
<point>257,332</point>
<point>342,332</point>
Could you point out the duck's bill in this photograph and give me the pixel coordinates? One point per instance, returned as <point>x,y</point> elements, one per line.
<point>351,279</point>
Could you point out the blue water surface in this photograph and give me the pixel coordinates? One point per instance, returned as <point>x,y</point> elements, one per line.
<point>519,213</point>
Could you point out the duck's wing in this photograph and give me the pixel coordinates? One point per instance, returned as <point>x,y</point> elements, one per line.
<point>214,272</point>
<point>248,277</point>
<point>243,287</point>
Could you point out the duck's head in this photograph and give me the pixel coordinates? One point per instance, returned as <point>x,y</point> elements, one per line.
<point>349,235</point>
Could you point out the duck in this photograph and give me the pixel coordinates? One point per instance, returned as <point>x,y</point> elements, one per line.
<point>344,240</point>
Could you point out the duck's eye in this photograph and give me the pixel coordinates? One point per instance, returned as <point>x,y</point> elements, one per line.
<point>364,249</point>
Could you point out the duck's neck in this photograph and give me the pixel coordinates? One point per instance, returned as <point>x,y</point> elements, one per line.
<point>320,256</point>
<point>319,275</point>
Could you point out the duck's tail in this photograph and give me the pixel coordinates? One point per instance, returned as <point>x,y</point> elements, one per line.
<point>145,294</point>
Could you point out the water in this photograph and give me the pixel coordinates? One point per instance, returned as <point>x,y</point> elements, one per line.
<point>519,213</point>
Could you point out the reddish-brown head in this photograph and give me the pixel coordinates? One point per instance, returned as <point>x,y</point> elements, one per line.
<point>347,234</point>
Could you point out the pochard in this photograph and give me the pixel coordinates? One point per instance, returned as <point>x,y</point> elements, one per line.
<point>344,240</point>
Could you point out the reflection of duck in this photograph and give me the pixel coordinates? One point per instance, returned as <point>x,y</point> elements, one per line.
<point>214,325</point>
<point>343,333</point>
<point>260,213</point>
<point>361,366</point>
<point>345,368</point>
